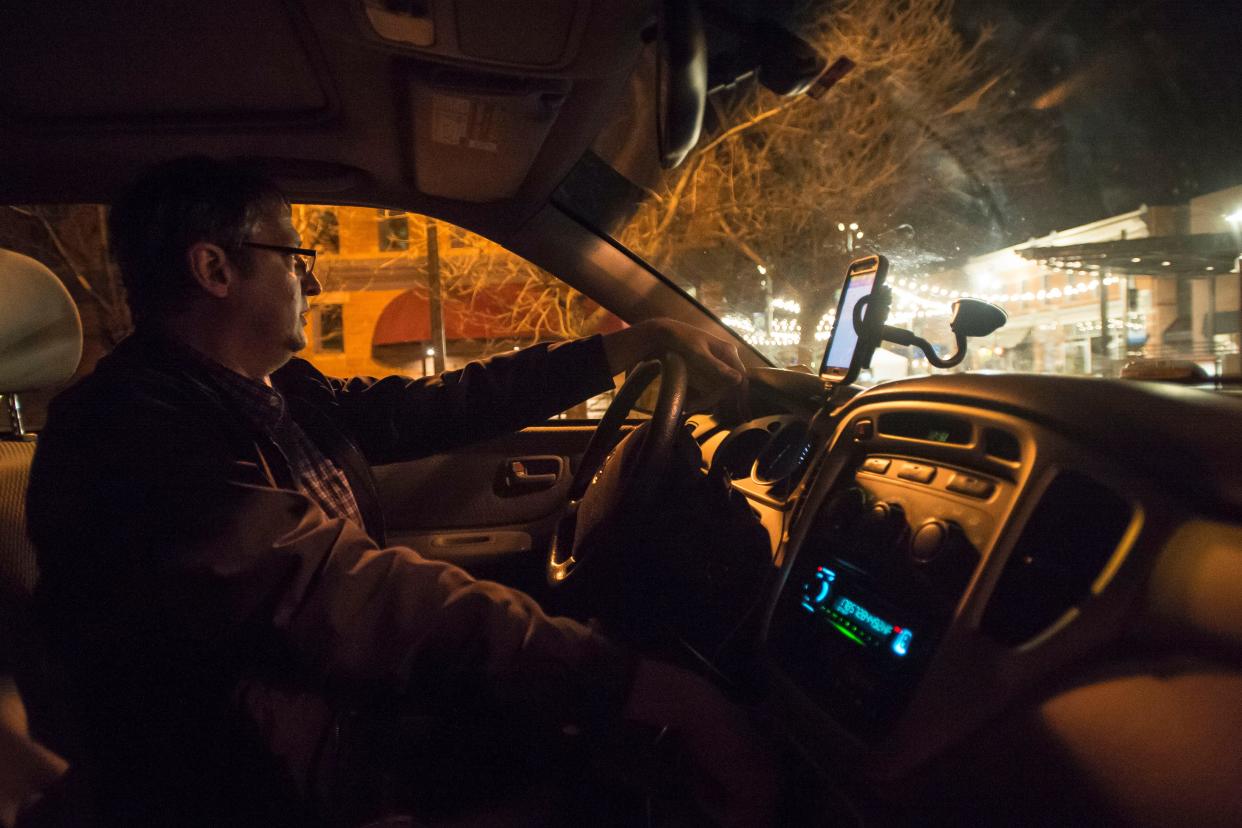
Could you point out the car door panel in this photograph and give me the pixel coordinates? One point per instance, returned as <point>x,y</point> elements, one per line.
<point>472,508</point>
<point>473,487</point>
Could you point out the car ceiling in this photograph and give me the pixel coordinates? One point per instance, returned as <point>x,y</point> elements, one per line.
<point>477,123</point>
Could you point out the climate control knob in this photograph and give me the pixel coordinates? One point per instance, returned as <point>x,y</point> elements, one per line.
<point>943,552</point>
<point>841,513</point>
<point>881,529</point>
<point>929,540</point>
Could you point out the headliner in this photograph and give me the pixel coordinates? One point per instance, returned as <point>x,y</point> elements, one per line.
<point>309,90</point>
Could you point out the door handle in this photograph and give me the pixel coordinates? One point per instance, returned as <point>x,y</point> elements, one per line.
<point>529,472</point>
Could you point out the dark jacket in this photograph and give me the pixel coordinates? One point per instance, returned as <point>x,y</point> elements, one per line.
<point>216,624</point>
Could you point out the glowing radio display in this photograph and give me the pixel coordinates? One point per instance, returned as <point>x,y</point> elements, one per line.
<point>850,618</point>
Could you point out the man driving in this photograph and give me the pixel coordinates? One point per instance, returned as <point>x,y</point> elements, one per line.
<point>213,560</point>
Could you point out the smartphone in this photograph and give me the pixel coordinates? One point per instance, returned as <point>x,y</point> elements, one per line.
<point>842,362</point>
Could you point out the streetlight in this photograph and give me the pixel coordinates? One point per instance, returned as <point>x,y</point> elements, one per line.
<point>1234,219</point>
<point>850,234</point>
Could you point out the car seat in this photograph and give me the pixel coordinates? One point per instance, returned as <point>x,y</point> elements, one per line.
<point>40,347</point>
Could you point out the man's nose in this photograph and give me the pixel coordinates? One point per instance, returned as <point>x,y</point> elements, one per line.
<point>311,285</point>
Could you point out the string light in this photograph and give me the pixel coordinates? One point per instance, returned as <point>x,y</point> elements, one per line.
<point>916,297</point>
<point>1060,294</point>
<point>1138,324</point>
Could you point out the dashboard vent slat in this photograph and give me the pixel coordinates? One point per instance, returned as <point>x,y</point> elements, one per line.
<point>920,425</point>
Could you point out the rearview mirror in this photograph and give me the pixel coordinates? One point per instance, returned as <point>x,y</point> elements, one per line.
<point>682,98</point>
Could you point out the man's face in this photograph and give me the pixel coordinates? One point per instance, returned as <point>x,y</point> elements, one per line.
<point>272,294</point>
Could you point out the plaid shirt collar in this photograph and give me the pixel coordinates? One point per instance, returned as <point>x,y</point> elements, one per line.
<point>314,474</point>
<point>260,403</point>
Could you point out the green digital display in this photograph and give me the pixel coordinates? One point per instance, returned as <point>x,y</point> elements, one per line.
<point>851,619</point>
<point>848,609</point>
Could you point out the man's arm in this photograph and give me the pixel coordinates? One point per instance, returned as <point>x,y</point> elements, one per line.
<point>398,418</point>
<point>202,557</point>
<point>142,510</point>
<point>712,362</point>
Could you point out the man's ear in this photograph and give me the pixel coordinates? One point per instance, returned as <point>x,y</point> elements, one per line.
<point>211,268</point>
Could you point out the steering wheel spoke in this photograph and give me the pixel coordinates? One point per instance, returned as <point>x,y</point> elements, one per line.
<point>618,476</point>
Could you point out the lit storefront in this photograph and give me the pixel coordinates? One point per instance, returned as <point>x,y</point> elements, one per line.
<point>1154,283</point>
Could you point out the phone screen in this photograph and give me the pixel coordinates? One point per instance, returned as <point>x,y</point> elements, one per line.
<point>839,354</point>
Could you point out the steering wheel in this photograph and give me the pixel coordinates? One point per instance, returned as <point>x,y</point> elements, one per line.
<point>617,479</point>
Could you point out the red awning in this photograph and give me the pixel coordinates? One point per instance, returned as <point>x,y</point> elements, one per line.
<point>408,319</point>
<point>484,316</point>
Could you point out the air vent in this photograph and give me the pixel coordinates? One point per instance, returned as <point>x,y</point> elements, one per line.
<point>1071,535</point>
<point>1002,445</point>
<point>918,425</point>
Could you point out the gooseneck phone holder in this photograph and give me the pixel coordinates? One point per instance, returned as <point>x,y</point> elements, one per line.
<point>971,317</point>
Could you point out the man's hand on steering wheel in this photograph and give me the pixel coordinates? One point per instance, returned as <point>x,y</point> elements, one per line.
<point>733,776</point>
<point>713,363</point>
<point>617,482</point>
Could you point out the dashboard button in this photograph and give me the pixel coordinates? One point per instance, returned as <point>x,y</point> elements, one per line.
<point>881,530</point>
<point>876,465</point>
<point>916,472</point>
<point>972,486</point>
<point>839,515</point>
<point>945,556</point>
<point>928,540</point>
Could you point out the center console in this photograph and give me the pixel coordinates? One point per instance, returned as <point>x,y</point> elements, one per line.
<point>891,544</point>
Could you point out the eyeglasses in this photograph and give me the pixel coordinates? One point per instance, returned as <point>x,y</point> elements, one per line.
<point>303,257</point>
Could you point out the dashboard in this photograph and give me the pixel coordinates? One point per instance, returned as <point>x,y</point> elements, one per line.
<point>955,549</point>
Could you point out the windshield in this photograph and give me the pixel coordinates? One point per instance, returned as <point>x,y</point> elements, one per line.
<point>1074,163</point>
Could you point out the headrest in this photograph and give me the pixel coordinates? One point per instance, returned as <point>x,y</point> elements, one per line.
<point>40,332</point>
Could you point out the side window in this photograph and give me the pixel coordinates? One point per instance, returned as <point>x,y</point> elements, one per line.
<point>394,231</point>
<point>321,229</point>
<point>374,314</point>
<point>383,273</point>
<point>328,329</point>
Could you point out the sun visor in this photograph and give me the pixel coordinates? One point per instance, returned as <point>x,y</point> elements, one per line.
<point>478,144</point>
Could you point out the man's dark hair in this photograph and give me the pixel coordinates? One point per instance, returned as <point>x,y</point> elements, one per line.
<point>175,205</point>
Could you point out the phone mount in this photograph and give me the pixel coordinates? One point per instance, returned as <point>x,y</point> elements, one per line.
<point>971,317</point>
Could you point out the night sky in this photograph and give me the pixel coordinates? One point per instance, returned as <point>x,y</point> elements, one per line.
<point>1144,100</point>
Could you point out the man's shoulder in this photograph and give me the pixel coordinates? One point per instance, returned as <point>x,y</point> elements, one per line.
<point>300,378</point>
<point>124,380</point>
<point>298,370</point>
<point>132,396</point>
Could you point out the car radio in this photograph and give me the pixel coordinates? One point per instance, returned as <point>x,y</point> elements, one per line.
<point>856,653</point>
<point>877,578</point>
